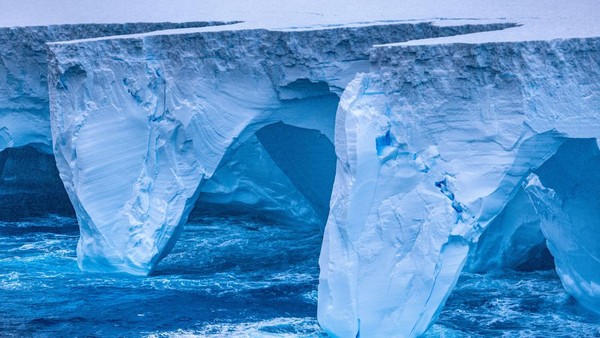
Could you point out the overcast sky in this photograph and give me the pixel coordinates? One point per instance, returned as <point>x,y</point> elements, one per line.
<point>560,17</point>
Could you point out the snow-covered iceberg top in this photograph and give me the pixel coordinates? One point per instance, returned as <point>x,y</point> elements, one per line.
<point>24,106</point>
<point>542,20</point>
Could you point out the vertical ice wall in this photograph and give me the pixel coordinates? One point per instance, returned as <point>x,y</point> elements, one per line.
<point>433,144</point>
<point>564,192</point>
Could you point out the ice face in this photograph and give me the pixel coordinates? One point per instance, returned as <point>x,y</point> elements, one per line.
<point>266,174</point>
<point>24,113</point>
<point>513,240</point>
<point>29,181</point>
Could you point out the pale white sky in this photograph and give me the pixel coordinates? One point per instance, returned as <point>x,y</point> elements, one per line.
<point>543,18</point>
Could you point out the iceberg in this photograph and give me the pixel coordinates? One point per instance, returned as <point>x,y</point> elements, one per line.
<point>564,192</point>
<point>25,117</point>
<point>421,147</point>
<point>513,240</point>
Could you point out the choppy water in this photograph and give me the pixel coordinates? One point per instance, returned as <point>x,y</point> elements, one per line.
<point>516,304</point>
<point>231,277</point>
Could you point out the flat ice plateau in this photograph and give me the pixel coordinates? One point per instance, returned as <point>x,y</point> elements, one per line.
<point>423,139</point>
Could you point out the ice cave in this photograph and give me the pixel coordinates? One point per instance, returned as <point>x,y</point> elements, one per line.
<point>387,172</point>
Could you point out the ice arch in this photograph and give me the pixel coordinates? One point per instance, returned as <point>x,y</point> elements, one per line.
<point>183,150</point>
<point>512,241</point>
<point>431,144</point>
<point>566,194</point>
<point>516,238</point>
<point>281,172</point>
<point>30,185</point>
<point>555,207</point>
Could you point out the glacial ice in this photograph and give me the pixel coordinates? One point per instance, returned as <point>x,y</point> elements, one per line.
<point>267,174</point>
<point>513,240</point>
<point>423,157</point>
<point>564,192</point>
<point>24,108</point>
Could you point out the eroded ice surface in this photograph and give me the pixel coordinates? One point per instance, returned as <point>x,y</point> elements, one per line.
<point>29,181</point>
<point>24,107</point>
<point>564,192</point>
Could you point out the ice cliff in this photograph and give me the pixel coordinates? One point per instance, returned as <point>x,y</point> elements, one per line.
<point>24,79</point>
<point>418,157</point>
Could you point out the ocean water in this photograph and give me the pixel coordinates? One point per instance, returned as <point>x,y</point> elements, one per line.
<point>236,277</point>
<point>515,304</point>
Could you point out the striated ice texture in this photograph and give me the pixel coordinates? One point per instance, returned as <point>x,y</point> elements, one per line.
<point>24,110</point>
<point>512,241</point>
<point>434,144</point>
<point>139,132</point>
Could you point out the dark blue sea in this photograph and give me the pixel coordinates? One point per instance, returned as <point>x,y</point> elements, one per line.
<point>237,277</point>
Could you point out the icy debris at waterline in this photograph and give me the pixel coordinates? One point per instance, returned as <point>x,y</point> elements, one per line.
<point>432,143</point>
<point>437,140</point>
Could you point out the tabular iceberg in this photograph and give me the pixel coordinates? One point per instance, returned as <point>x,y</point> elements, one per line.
<point>420,158</point>
<point>24,78</point>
